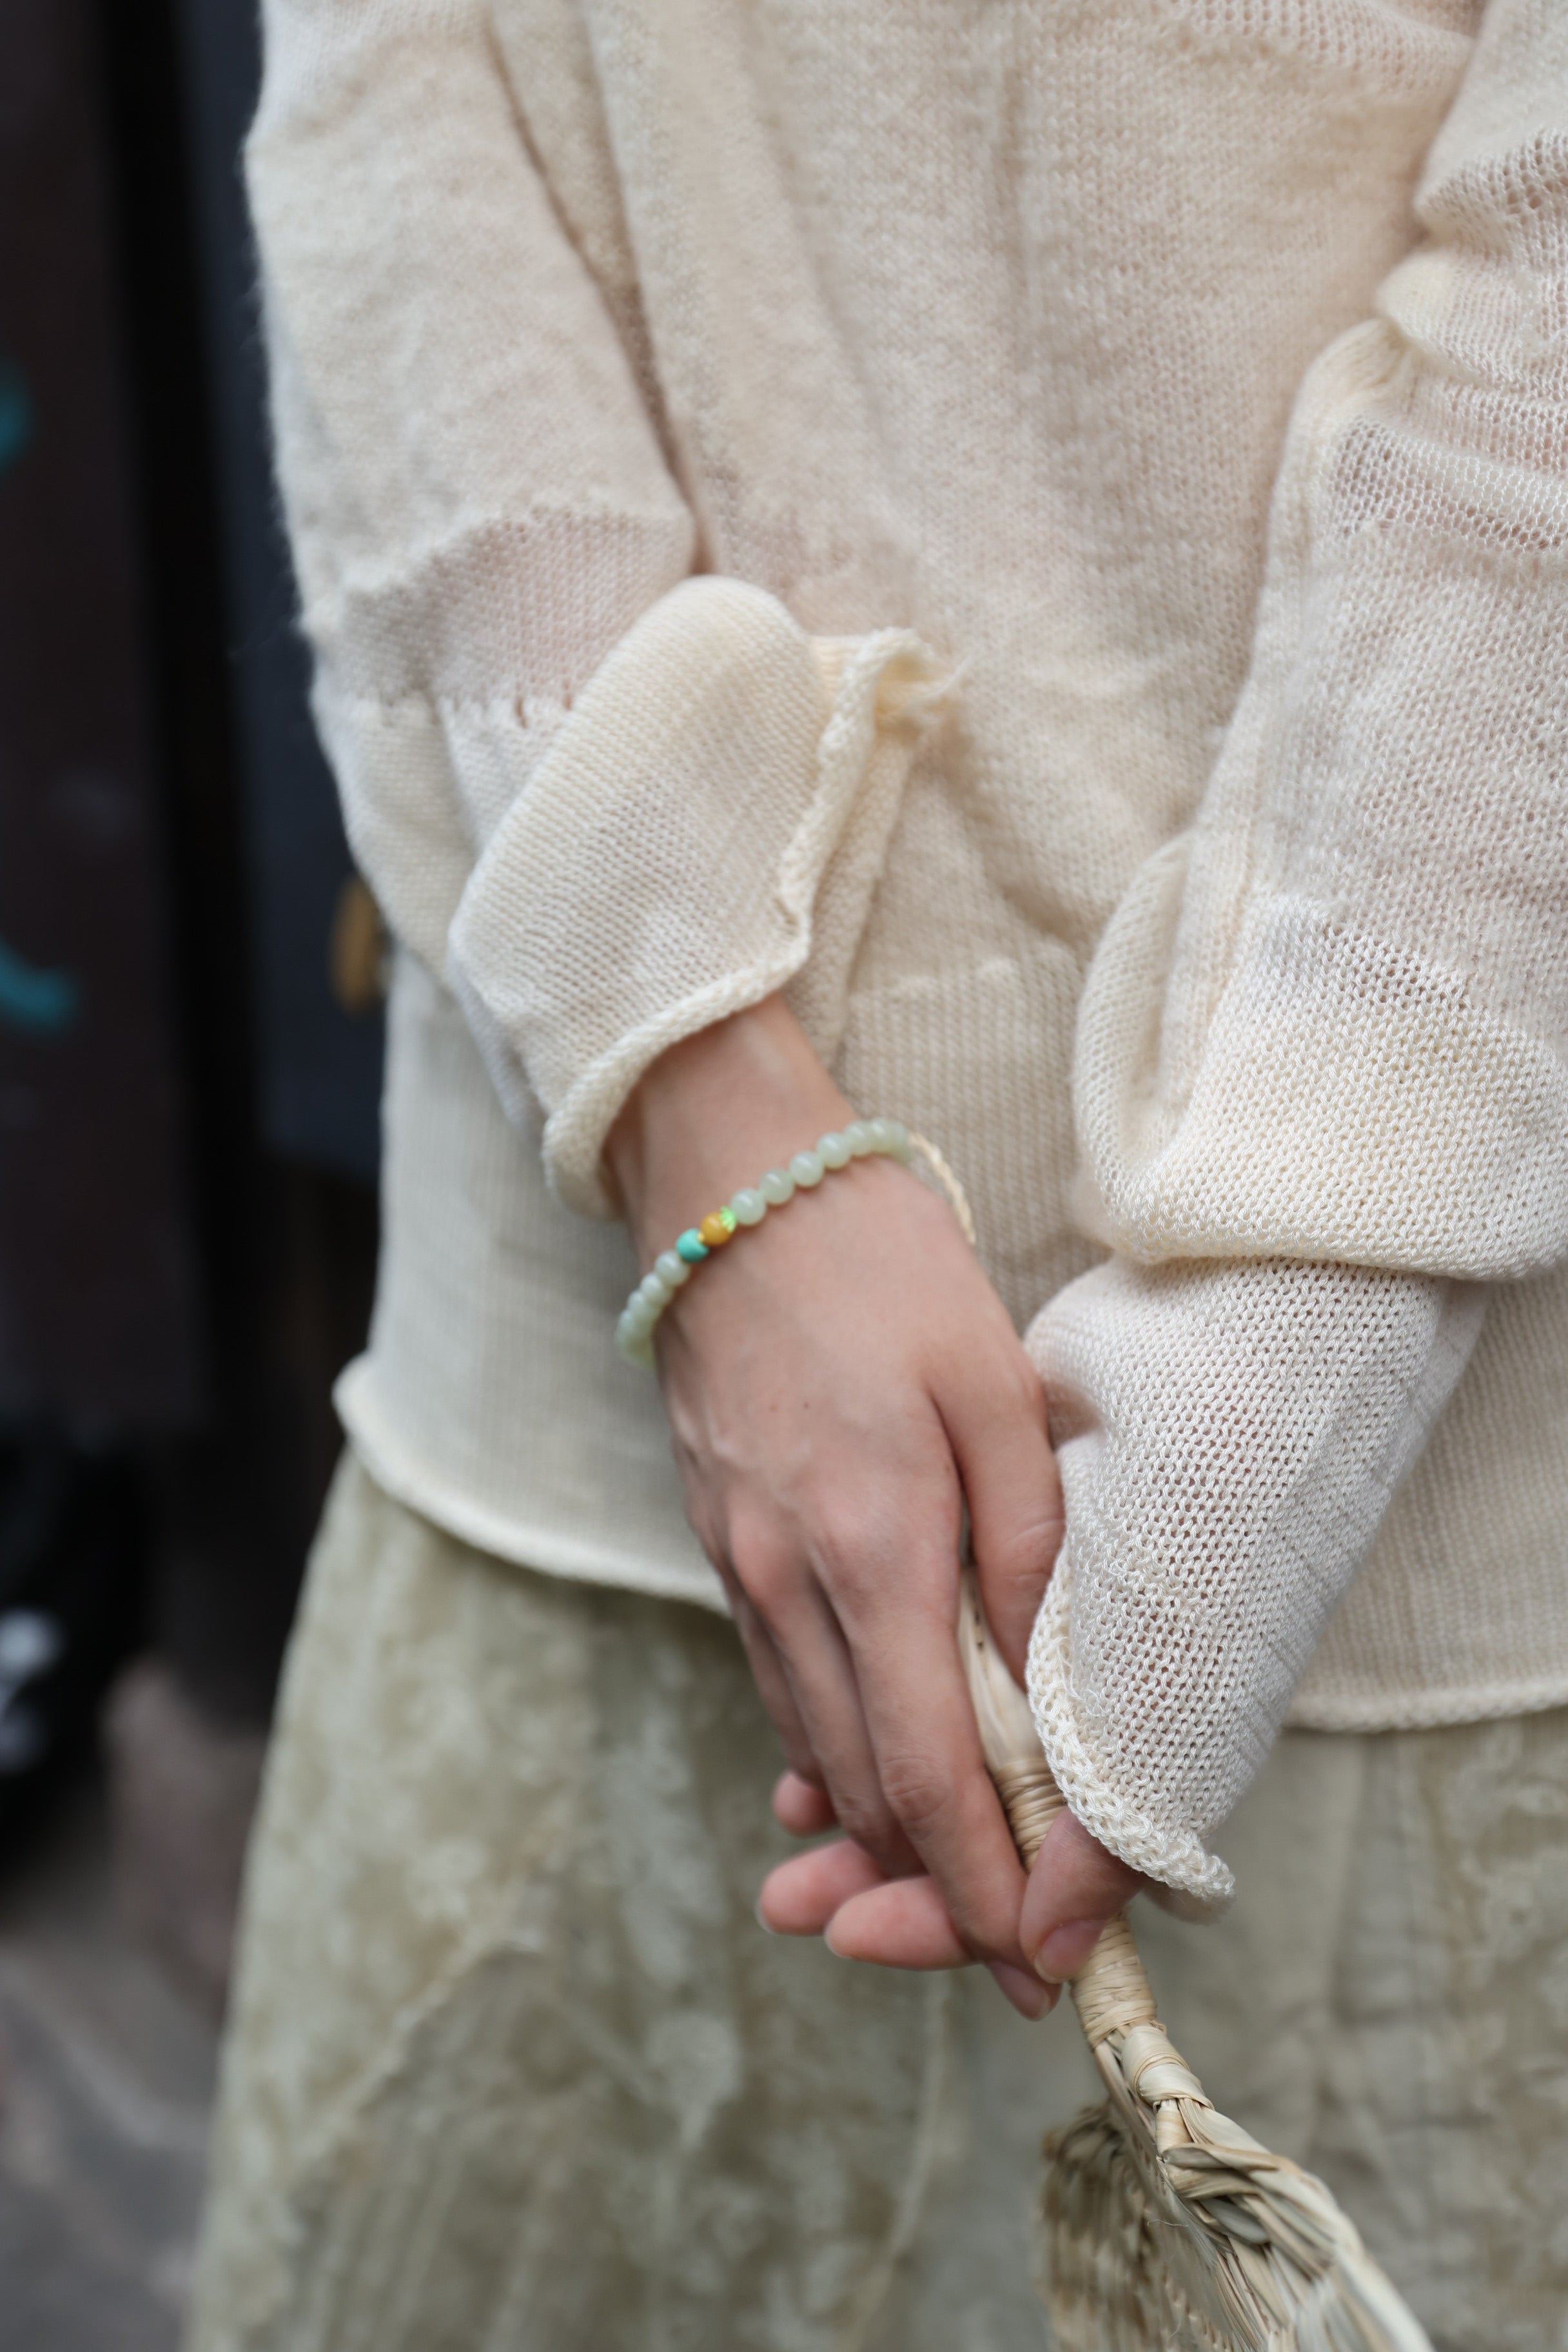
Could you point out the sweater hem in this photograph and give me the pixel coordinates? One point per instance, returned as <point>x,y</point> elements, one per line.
<point>521,1542</point>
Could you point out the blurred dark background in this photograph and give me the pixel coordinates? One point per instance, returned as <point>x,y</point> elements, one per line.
<point>190,1029</point>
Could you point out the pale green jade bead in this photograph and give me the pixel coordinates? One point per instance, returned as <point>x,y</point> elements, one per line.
<point>892,1137</point>
<point>856,1140</point>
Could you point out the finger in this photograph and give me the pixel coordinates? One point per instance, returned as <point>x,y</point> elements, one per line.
<point>900,1923</point>
<point>773,1684</point>
<point>800,1806</point>
<point>799,1896</point>
<point>1075,1887</point>
<point>1028,1996</point>
<point>903,1924</point>
<point>820,1673</point>
<point>997,1431</point>
<point>921,1723</point>
<point>762,1656</point>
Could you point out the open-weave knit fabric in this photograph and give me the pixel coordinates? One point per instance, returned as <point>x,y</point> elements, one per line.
<point>1328,1023</point>
<point>1229,1436</point>
<point>714,688</point>
<point>1184,379</point>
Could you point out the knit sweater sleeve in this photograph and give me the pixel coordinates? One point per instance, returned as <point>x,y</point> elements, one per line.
<point>1322,1087</point>
<point>608,799</point>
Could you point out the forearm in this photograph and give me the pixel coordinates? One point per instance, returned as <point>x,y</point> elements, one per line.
<point>1319,1082</point>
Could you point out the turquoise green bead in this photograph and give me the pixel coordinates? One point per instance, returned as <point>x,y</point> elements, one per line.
<point>855,1141</point>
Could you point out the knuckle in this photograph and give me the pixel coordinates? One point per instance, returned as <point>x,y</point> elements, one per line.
<point>1026,1551</point>
<point>848,1531</point>
<point>764,1557</point>
<point>863,1540</point>
<point>768,1575</point>
<point>920,1791</point>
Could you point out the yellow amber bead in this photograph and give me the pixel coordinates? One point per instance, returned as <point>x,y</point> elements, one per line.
<point>717,1227</point>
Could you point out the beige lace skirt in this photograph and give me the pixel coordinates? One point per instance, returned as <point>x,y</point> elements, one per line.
<point>512,2067</point>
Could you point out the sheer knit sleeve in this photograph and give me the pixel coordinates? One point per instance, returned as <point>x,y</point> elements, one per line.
<point>607,800</point>
<point>1320,1085</point>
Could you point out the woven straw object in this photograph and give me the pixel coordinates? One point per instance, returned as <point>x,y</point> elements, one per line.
<point>1166,2225</point>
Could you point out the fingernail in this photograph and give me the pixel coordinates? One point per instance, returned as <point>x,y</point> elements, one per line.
<point>828,1939</point>
<point>1025,1993</point>
<point>757,1915</point>
<point>1066,1949</point>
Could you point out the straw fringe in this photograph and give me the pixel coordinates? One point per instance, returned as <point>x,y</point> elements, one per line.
<point>1168,2227</point>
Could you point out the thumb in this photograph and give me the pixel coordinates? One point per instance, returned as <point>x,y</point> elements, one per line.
<point>1075,1889</point>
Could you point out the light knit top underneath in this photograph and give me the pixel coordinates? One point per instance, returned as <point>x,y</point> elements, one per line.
<point>1037,530</point>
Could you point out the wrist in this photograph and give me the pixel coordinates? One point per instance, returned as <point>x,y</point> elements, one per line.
<point>711,1113</point>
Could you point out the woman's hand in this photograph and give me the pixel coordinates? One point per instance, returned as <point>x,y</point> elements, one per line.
<point>841,1382</point>
<point>837,1891</point>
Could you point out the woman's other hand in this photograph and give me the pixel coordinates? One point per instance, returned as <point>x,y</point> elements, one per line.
<point>837,1890</point>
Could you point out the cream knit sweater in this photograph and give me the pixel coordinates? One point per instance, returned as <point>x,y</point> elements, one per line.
<point>918,504</point>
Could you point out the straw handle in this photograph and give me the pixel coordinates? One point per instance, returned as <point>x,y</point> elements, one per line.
<point>1110,1990</point>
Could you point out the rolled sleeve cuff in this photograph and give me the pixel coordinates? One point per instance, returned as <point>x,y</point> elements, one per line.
<point>706,826</point>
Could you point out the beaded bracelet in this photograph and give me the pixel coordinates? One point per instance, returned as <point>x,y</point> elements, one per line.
<point>863,1139</point>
